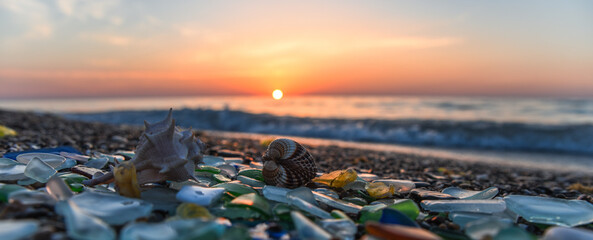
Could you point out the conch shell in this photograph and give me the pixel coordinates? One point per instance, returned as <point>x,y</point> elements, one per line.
<point>164,152</point>
<point>288,164</point>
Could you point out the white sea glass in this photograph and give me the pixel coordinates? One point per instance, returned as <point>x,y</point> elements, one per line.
<point>39,170</point>
<point>199,195</point>
<point>337,203</point>
<point>17,229</point>
<point>308,207</point>
<point>277,194</point>
<point>57,188</point>
<point>488,193</point>
<point>562,233</point>
<point>476,206</point>
<point>52,159</point>
<point>553,211</point>
<point>111,208</point>
<point>307,229</point>
<point>81,225</point>
<point>12,172</point>
<point>340,228</point>
<point>148,231</point>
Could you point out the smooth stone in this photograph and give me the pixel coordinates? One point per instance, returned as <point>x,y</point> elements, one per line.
<point>58,189</point>
<point>564,233</point>
<point>488,193</point>
<point>111,208</point>
<point>277,194</point>
<point>307,229</point>
<point>551,211</point>
<point>148,231</point>
<point>51,159</point>
<point>254,201</point>
<point>12,173</point>
<point>81,225</point>
<point>39,170</point>
<point>430,195</point>
<point>392,216</point>
<point>392,231</point>
<point>485,228</point>
<point>308,207</point>
<point>163,199</point>
<point>199,195</point>
<point>31,198</point>
<point>340,228</point>
<point>479,206</point>
<point>337,203</point>
<point>303,193</point>
<point>17,229</point>
<point>250,181</point>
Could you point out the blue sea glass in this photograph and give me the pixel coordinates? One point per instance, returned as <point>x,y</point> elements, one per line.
<point>392,216</point>
<point>307,229</point>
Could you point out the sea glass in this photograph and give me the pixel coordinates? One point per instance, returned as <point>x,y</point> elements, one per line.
<point>399,185</point>
<point>337,203</point>
<point>368,177</point>
<point>485,228</point>
<point>371,213</point>
<point>356,185</point>
<point>339,215</point>
<point>31,198</point>
<point>514,233</point>
<point>7,162</point>
<point>308,207</point>
<point>337,179</point>
<point>162,198</point>
<point>252,173</point>
<point>356,200</point>
<point>393,231</point>
<point>97,163</point>
<point>407,207</point>
<point>327,192</point>
<point>228,170</point>
<point>235,188</point>
<point>74,181</point>
<point>6,131</point>
<point>212,160</point>
<point>488,193</point>
<point>219,178</point>
<point>340,228</point>
<point>12,172</point>
<point>199,195</point>
<point>303,193</point>
<point>250,181</point>
<point>308,229</point>
<point>81,225</point>
<point>58,189</point>
<point>68,163</point>
<point>126,182</point>
<point>7,189</point>
<point>190,210</point>
<point>479,206</point>
<point>429,195</point>
<point>148,231</point>
<point>562,233</point>
<point>253,201</point>
<point>392,216</point>
<point>552,211</point>
<point>17,229</point>
<point>111,208</point>
<point>51,159</point>
<point>277,194</point>
<point>380,190</point>
<point>39,170</point>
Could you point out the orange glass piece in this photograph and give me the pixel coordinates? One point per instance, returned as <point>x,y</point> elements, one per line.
<point>337,179</point>
<point>126,182</point>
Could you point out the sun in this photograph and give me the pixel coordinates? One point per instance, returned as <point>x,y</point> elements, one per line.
<point>277,94</point>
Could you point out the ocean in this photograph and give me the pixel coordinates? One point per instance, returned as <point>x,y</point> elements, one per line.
<point>533,132</point>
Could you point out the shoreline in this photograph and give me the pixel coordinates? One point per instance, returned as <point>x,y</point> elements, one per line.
<point>41,130</point>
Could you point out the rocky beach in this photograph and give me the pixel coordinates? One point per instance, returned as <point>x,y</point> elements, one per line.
<point>430,177</point>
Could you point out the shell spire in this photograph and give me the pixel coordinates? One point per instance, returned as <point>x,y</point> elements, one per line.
<point>288,164</point>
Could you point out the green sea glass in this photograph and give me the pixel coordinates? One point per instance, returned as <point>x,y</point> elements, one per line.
<point>254,201</point>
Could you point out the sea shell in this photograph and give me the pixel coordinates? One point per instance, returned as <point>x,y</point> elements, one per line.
<point>164,152</point>
<point>288,164</point>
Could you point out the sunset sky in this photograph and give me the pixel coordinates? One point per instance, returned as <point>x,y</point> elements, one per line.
<point>71,48</point>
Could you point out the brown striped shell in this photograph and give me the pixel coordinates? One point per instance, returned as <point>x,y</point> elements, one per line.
<point>288,164</point>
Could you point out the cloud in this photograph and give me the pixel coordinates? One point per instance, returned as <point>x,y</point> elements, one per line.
<point>111,39</point>
<point>33,14</point>
<point>83,10</point>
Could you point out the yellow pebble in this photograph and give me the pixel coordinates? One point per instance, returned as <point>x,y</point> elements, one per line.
<point>190,210</point>
<point>126,182</point>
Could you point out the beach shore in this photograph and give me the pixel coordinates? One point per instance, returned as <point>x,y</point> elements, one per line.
<point>42,130</point>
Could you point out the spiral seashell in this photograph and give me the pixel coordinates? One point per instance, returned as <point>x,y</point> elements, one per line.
<point>288,164</point>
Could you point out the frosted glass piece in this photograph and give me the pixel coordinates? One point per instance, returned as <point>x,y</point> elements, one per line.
<point>39,170</point>
<point>488,193</point>
<point>553,211</point>
<point>52,159</point>
<point>111,208</point>
<point>477,206</point>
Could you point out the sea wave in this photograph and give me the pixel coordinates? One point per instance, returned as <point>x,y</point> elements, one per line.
<point>516,136</point>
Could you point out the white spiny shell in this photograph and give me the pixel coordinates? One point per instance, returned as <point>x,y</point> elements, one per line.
<point>288,164</point>
<point>165,152</point>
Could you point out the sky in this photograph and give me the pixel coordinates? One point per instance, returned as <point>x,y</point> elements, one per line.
<point>70,48</point>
